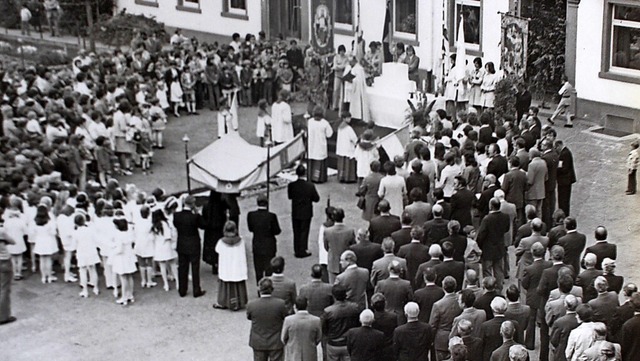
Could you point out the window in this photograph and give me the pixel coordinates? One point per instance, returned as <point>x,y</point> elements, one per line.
<point>404,18</point>
<point>471,12</point>
<point>621,45</point>
<point>235,9</point>
<point>152,3</point>
<point>189,5</point>
<point>344,12</point>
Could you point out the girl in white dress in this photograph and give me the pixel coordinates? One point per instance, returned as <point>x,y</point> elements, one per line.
<point>176,95</point>
<point>103,230</point>
<point>30,214</point>
<point>144,247</point>
<point>163,251</point>
<point>15,224</point>
<point>86,254</point>
<point>123,260</point>
<point>170,207</point>
<point>43,233</point>
<point>488,86</point>
<point>65,225</point>
<point>263,125</point>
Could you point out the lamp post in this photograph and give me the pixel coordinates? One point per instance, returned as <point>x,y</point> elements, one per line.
<point>186,140</point>
<point>268,144</point>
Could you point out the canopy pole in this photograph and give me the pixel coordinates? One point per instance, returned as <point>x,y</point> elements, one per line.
<point>268,170</point>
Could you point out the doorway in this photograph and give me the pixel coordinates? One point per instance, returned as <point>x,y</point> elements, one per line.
<point>285,18</point>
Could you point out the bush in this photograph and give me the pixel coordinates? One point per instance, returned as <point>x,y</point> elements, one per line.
<point>120,29</point>
<point>54,57</point>
<point>10,10</point>
<point>505,102</point>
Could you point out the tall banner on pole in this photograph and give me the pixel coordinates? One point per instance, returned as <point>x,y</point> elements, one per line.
<point>515,34</point>
<point>322,26</point>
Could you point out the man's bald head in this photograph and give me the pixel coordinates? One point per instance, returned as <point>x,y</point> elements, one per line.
<point>601,233</point>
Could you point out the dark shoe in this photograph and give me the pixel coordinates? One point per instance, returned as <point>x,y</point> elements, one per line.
<point>629,193</point>
<point>219,307</point>
<point>183,294</point>
<point>8,320</point>
<point>568,125</point>
<point>551,121</point>
<point>303,255</point>
<point>195,113</point>
<point>199,294</point>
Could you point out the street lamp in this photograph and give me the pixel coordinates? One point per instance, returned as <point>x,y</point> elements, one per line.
<point>186,140</point>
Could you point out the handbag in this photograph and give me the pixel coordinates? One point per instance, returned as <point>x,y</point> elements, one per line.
<point>361,202</point>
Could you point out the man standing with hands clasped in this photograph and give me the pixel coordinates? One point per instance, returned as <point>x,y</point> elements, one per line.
<point>187,223</point>
<point>302,194</point>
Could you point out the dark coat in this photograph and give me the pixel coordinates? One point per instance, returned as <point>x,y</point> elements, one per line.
<point>366,252</point>
<point>425,298</point>
<point>364,343</point>
<point>302,194</point>
<point>381,227</point>
<point>415,254</point>
<point>318,296</point>
<point>397,292</point>
<point>451,268</point>
<point>412,341</point>
<point>629,340</point>
<point>187,225</point>
<point>446,209</point>
<point>498,166</point>
<point>549,281</point>
<point>267,316</point>
<point>474,348</point>
<point>461,204</point>
<point>604,306</point>
<point>483,201</point>
<point>531,280</point>
<point>420,181</point>
<point>459,246</point>
<point>485,135</point>
<point>400,238</point>
<point>615,282</point>
<point>490,335</point>
<point>602,250</point>
<point>284,288</point>
<point>566,175</point>
<point>491,235</point>
<point>514,186</point>
<point>265,227</point>
<point>435,230</point>
<point>484,302</point>
<point>585,280</point>
<point>502,352</point>
<point>573,244</point>
<point>559,335</point>
<point>551,158</point>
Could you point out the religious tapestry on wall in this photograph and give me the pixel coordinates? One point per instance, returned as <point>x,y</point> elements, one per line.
<point>515,33</point>
<point>322,26</point>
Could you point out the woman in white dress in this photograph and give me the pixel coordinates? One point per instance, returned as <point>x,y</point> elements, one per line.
<point>489,86</point>
<point>144,247</point>
<point>345,150</point>
<point>123,260</point>
<point>281,121</point>
<point>163,251</point>
<point>103,230</point>
<point>65,225</point>
<point>15,225</point>
<point>263,124</point>
<point>476,78</point>
<point>318,131</point>
<point>393,189</point>
<point>232,270</point>
<point>43,233</point>
<point>86,255</point>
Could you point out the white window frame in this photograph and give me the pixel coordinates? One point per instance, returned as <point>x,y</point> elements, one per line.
<point>237,11</point>
<point>456,17</point>
<point>400,35</point>
<point>195,4</point>
<point>622,24</point>
<point>346,27</point>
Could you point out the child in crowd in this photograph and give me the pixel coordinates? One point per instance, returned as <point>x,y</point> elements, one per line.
<point>86,255</point>
<point>263,126</point>
<point>15,224</point>
<point>158,122</point>
<point>472,253</point>
<point>246,79</point>
<point>188,85</point>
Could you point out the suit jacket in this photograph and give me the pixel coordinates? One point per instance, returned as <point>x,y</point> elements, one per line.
<point>318,295</point>
<point>491,236</point>
<point>267,316</point>
<point>523,156</point>
<point>415,253</point>
<point>284,288</point>
<point>380,268</point>
<point>531,280</point>
<point>559,335</point>
<point>615,282</point>
<point>420,181</point>
<point>523,252</point>
<point>604,306</point>
<point>419,212</point>
<point>490,335</point>
<point>529,139</point>
<point>498,166</point>
<point>555,233</point>
<point>629,339</point>
<point>519,313</point>
<point>412,341</point>
<point>510,210</point>
<point>485,135</point>
<point>473,315</point>
<point>502,352</point>
<point>602,250</point>
<point>398,292</point>
<point>484,302</point>
<point>461,204</point>
<point>443,313</point>
<point>187,225</point>
<point>549,281</point>
<point>622,315</point>
<point>364,343</point>
<point>551,158</point>
<point>435,230</point>
<point>459,246</point>
<point>401,237</point>
<point>474,347</point>
<point>356,280</point>
<point>381,227</point>
<point>485,197</point>
<point>265,227</point>
<point>594,353</point>
<point>537,175</point>
<point>426,297</point>
<point>585,280</point>
<point>366,252</point>
<point>418,279</point>
<point>337,239</point>
<point>515,187</point>
<point>566,174</point>
<point>302,194</point>
<point>446,209</point>
<point>573,244</point>
<point>451,268</point>
<point>525,231</point>
<point>301,334</point>
<point>386,322</point>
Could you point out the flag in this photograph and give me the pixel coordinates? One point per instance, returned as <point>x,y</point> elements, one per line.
<point>461,55</point>
<point>386,36</point>
<point>359,41</point>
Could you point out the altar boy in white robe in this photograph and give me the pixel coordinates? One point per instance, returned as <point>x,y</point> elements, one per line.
<point>456,89</point>
<point>355,90</point>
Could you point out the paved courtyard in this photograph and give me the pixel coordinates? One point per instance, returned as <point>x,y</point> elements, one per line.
<point>55,324</point>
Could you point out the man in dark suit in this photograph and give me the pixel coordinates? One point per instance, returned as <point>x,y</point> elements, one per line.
<point>384,321</point>
<point>517,311</point>
<point>427,296</point>
<point>498,164</point>
<point>484,301</point>
<point>415,253</point>
<point>459,241</point>
<point>562,327</point>
<point>436,228</point>
<point>337,239</point>
<point>629,340</point>
<point>558,229</point>
<point>491,241</point>
<point>550,157</point>
<point>485,133</point>
<point>605,305</point>
<point>473,344</point>
<point>623,313</point>
<point>514,186</point>
<point>535,126</point>
<point>265,227</point>
<point>435,252</point>
<point>397,292</point>
<point>302,194</point>
<point>489,187</point>
<point>187,223</point>
<point>355,279</point>
<point>462,202</point>
<point>380,267</point>
<point>530,282</point>
<point>267,315</point>
<point>528,137</point>
<point>522,153</point>
<point>383,225</point>
<point>337,319</point>
<point>366,251</point>
<point>403,235</point>
<point>566,176</point>
<point>585,278</point>
<point>507,331</point>
<point>413,340</point>
<point>316,292</point>
<point>418,180</point>
<point>365,343</point>
<point>449,267</point>
<point>443,313</point>
<point>490,330</point>
<point>284,288</point>
<point>438,194</point>
<point>602,249</point>
<point>573,243</point>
